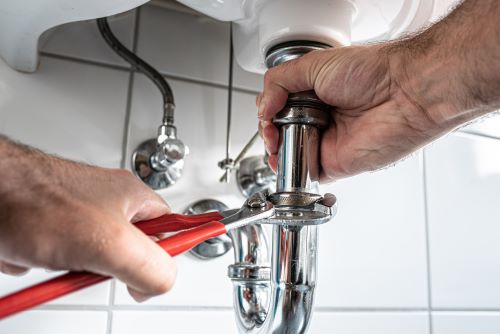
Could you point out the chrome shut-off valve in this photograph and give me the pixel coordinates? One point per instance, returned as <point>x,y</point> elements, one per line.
<point>159,162</point>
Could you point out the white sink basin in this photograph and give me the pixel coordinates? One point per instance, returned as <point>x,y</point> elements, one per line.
<point>258,24</point>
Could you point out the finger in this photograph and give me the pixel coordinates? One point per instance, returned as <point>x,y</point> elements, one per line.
<point>136,260</point>
<point>257,99</point>
<point>260,126</point>
<point>12,269</point>
<point>138,297</point>
<point>273,162</point>
<point>270,135</point>
<point>291,77</point>
<point>148,205</point>
<point>150,209</point>
<point>140,202</point>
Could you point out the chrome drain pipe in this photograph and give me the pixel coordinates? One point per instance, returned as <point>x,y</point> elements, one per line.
<point>277,297</point>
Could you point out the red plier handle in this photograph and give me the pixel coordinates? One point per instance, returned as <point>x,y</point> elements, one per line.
<point>195,229</point>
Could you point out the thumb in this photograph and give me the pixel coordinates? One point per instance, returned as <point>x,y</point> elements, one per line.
<point>136,260</point>
<point>291,77</point>
<point>160,278</point>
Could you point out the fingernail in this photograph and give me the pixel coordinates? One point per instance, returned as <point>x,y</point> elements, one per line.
<point>267,148</point>
<point>137,296</point>
<point>141,299</point>
<point>257,101</point>
<point>262,106</point>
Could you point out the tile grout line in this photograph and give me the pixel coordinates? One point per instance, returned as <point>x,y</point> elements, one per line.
<point>194,308</point>
<point>125,144</point>
<point>137,307</point>
<point>427,241</point>
<point>166,75</point>
<point>85,61</point>
<point>468,133</point>
<point>128,107</point>
<point>109,324</point>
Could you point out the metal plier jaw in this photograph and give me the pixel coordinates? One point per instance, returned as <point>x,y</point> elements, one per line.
<point>288,208</point>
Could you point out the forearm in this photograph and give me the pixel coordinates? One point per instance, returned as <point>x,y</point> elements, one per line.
<point>26,170</point>
<point>452,70</point>
<point>21,164</point>
<point>59,214</point>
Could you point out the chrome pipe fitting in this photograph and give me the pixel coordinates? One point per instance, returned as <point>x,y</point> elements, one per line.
<point>159,162</point>
<point>300,123</point>
<point>279,298</point>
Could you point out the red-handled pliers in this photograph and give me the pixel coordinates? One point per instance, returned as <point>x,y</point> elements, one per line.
<point>195,229</point>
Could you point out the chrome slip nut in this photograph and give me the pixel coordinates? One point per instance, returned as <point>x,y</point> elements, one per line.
<point>302,208</point>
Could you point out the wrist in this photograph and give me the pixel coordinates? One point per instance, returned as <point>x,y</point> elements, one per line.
<point>430,79</point>
<point>449,70</point>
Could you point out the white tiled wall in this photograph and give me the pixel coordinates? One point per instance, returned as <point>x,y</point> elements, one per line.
<point>414,248</point>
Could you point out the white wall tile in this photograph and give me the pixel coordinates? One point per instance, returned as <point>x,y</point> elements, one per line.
<point>372,254</point>
<point>179,322</point>
<point>70,109</point>
<point>82,39</point>
<point>369,322</point>
<point>56,322</point>
<point>94,295</point>
<point>488,125</point>
<point>190,46</point>
<point>199,283</point>
<point>247,80</point>
<point>184,44</point>
<point>200,119</point>
<point>466,322</point>
<point>463,176</point>
<point>212,322</point>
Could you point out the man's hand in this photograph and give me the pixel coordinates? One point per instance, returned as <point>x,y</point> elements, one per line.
<point>393,98</point>
<point>63,215</point>
<point>374,122</point>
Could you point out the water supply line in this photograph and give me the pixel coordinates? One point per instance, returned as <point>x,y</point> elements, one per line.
<point>158,162</point>
<point>140,65</point>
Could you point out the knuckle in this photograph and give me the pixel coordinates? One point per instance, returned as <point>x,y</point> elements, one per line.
<point>268,76</point>
<point>125,174</point>
<point>120,171</point>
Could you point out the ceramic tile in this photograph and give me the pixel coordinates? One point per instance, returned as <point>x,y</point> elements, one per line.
<point>200,120</point>
<point>488,125</point>
<point>463,176</point>
<point>152,322</point>
<point>372,254</point>
<point>182,322</point>
<point>184,45</point>
<point>74,110</point>
<point>247,80</point>
<point>56,322</point>
<point>200,51</point>
<point>82,39</point>
<point>95,295</point>
<point>369,322</point>
<point>466,323</point>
